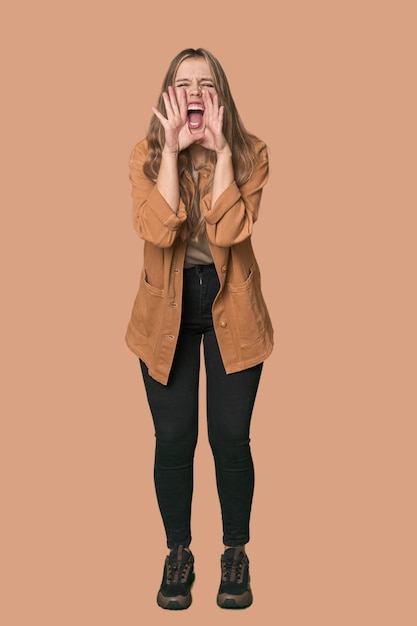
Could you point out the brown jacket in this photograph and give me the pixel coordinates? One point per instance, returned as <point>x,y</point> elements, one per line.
<point>240,317</point>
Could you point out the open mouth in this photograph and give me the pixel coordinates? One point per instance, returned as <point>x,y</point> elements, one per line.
<point>195,115</point>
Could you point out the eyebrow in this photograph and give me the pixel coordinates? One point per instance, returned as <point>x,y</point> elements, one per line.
<point>182,80</point>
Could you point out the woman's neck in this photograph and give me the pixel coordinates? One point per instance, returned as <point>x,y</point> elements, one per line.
<point>199,155</point>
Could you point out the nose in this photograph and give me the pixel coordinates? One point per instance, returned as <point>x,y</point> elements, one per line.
<point>195,88</point>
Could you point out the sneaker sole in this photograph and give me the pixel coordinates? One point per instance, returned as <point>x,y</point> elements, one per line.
<point>228,601</point>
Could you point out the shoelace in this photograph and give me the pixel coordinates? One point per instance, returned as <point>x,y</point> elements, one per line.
<point>177,569</point>
<point>232,569</point>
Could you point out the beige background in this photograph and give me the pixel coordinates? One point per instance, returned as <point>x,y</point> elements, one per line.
<point>330,86</point>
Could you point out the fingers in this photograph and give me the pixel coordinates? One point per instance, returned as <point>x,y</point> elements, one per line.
<point>159,115</point>
<point>209,104</point>
<point>213,111</point>
<point>221,114</point>
<point>175,106</point>
<point>181,98</point>
<point>213,116</point>
<point>171,104</point>
<point>175,103</point>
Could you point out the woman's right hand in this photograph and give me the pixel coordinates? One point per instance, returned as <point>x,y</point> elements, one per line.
<point>177,133</point>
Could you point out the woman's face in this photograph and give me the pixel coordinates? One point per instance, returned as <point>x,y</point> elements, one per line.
<point>194,75</point>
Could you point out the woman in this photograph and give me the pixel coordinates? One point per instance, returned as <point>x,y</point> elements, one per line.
<point>197,182</point>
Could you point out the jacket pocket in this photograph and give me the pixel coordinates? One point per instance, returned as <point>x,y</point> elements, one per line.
<point>246,307</point>
<point>147,314</point>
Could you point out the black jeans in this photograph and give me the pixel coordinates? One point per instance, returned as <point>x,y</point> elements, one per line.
<point>174,408</point>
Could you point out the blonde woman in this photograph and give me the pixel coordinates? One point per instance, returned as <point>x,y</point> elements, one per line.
<point>197,181</point>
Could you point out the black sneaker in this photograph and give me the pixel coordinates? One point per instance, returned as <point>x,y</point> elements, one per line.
<point>234,591</point>
<point>175,591</point>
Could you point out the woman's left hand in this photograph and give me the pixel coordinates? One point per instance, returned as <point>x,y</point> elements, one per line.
<point>213,121</point>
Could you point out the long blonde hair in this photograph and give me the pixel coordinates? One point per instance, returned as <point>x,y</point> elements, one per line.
<point>241,142</point>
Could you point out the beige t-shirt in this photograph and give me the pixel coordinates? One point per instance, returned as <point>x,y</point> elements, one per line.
<point>197,252</point>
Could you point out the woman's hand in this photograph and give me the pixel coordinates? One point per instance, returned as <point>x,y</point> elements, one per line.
<point>213,125</point>
<point>177,133</point>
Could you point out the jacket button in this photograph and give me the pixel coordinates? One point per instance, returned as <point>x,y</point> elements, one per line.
<point>223,324</point>
<point>224,268</point>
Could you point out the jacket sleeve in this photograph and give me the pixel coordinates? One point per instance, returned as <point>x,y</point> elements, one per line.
<point>153,218</point>
<point>235,211</point>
